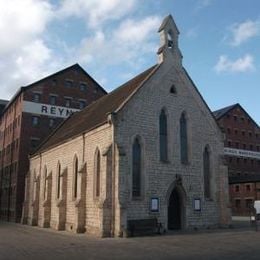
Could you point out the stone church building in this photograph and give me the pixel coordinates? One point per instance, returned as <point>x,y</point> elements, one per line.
<point>149,149</point>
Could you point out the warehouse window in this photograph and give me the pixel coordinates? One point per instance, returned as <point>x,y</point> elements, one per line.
<point>83,86</point>
<point>82,104</point>
<point>67,102</point>
<point>53,100</point>
<point>68,83</point>
<point>51,122</point>
<point>35,121</point>
<point>249,203</point>
<point>36,97</point>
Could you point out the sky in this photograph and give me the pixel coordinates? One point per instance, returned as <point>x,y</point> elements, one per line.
<point>114,40</point>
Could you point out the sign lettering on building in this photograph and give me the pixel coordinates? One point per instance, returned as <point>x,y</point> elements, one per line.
<point>47,110</point>
<point>241,153</point>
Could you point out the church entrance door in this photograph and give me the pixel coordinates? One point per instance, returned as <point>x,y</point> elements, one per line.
<point>174,211</point>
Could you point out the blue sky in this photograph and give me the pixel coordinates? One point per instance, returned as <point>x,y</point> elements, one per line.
<point>113,40</point>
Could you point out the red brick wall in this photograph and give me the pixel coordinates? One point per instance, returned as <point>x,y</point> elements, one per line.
<point>241,133</point>
<point>21,135</point>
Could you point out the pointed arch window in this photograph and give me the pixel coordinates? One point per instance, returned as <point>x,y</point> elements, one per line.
<point>183,139</point>
<point>75,173</point>
<point>163,137</point>
<point>59,178</point>
<point>136,168</point>
<point>206,172</point>
<point>97,173</point>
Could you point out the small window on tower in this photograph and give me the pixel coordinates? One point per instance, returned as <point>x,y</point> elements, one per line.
<point>173,89</point>
<point>170,40</point>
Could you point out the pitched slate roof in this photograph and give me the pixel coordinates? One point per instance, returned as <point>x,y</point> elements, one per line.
<point>221,112</point>
<point>96,113</point>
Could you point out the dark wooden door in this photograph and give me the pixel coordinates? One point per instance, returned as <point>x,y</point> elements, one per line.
<point>174,211</point>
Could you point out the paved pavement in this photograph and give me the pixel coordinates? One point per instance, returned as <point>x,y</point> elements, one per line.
<point>20,242</point>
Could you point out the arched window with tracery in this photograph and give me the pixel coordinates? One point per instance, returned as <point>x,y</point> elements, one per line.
<point>163,136</point>
<point>136,168</point>
<point>183,139</point>
<point>206,172</point>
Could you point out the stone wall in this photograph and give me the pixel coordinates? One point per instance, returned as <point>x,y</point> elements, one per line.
<point>86,211</point>
<point>140,117</point>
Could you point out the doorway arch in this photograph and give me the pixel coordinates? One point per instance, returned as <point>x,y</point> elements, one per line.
<point>176,208</point>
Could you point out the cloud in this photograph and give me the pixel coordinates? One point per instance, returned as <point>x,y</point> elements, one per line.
<point>244,64</point>
<point>24,55</point>
<point>201,4</point>
<point>22,21</point>
<point>244,31</point>
<point>30,48</point>
<point>96,12</point>
<point>192,32</point>
<point>125,44</point>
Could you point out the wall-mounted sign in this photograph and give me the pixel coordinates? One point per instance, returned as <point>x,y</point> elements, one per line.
<point>241,153</point>
<point>197,205</point>
<point>48,110</point>
<point>154,204</point>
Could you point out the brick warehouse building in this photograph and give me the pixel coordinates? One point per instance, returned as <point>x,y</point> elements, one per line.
<point>242,150</point>
<point>33,112</point>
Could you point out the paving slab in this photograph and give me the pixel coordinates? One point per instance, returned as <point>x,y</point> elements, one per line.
<point>20,242</point>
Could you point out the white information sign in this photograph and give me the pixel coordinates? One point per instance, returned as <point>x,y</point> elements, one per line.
<point>155,205</point>
<point>47,110</point>
<point>241,153</point>
<point>197,204</point>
